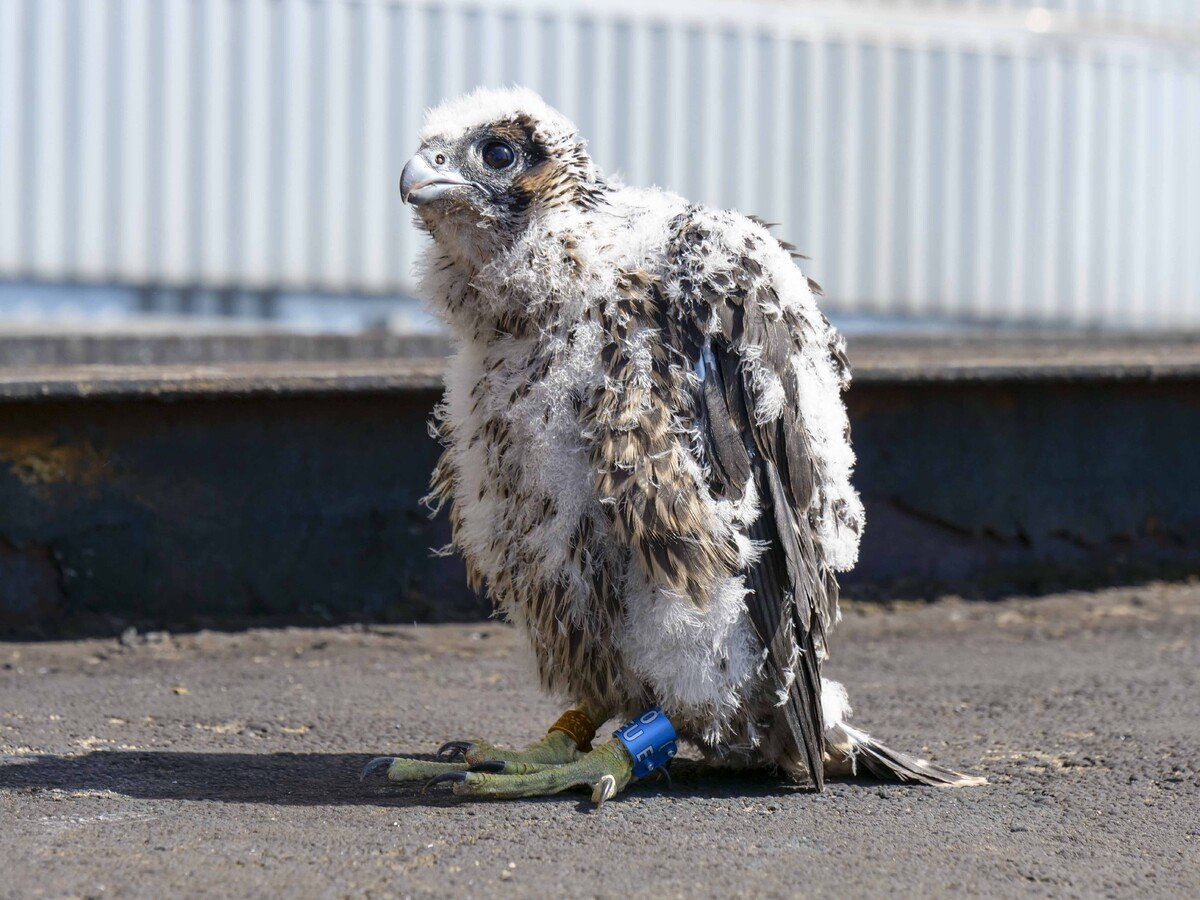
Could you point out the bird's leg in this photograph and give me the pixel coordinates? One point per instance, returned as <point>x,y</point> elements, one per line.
<point>565,742</point>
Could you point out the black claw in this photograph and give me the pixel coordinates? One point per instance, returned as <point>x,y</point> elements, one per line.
<point>379,762</point>
<point>491,766</point>
<point>445,778</point>
<point>452,750</point>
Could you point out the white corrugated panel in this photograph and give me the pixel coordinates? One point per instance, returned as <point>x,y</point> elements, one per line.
<point>986,159</point>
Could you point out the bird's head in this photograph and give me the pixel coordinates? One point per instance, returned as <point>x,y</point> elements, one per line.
<point>489,163</point>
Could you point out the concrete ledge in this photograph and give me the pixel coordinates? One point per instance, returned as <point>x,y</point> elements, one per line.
<point>293,489</point>
<point>373,365</point>
<point>257,379</point>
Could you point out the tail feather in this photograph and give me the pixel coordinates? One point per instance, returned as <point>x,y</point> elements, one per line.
<point>853,752</point>
<point>887,764</point>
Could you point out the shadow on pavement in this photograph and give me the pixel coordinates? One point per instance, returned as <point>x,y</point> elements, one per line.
<point>302,779</point>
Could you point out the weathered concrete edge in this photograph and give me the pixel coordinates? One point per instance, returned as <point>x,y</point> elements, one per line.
<point>386,376</point>
<point>185,382</point>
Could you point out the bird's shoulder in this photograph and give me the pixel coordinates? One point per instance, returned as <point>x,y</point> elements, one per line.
<point>699,272</point>
<point>733,255</point>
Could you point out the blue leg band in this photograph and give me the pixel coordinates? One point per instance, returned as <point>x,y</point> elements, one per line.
<point>650,740</point>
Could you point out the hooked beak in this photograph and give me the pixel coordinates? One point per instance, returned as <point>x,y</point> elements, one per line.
<point>421,182</point>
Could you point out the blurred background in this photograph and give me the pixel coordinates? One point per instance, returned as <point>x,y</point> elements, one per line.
<point>182,164</point>
<point>215,380</point>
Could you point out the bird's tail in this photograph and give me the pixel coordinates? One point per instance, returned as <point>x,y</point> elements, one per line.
<point>849,751</point>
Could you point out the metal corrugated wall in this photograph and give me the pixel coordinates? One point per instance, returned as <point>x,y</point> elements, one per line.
<point>1136,12</point>
<point>978,160</point>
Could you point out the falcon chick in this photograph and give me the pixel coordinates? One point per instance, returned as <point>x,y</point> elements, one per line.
<point>646,457</point>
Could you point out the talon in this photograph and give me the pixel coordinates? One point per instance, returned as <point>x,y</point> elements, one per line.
<point>605,789</point>
<point>492,766</point>
<point>445,778</point>
<point>379,762</point>
<point>453,750</point>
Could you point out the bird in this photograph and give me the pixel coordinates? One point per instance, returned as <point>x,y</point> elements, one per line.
<point>646,460</point>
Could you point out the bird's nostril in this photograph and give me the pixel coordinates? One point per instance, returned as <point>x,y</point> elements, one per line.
<point>440,159</point>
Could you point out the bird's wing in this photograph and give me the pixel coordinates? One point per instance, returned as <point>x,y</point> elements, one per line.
<point>792,592</point>
<point>706,404</point>
<point>753,343</point>
<point>708,372</point>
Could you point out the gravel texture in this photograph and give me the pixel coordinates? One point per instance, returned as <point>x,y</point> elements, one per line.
<point>227,765</point>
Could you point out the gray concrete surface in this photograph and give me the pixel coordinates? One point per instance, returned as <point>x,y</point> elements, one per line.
<point>226,765</point>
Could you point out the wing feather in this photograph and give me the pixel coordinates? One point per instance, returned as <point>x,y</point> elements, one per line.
<point>793,593</point>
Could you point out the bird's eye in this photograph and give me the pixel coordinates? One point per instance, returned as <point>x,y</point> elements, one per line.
<point>498,155</point>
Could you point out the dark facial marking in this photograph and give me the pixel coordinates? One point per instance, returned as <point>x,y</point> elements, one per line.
<point>513,172</point>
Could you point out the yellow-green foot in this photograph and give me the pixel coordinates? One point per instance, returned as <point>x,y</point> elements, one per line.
<point>606,770</point>
<point>555,749</point>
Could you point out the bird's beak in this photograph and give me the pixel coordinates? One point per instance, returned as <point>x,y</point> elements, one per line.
<point>422,182</point>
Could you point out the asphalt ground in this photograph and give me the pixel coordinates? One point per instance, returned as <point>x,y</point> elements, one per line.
<point>227,765</point>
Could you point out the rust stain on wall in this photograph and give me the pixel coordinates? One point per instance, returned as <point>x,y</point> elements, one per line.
<point>38,459</point>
